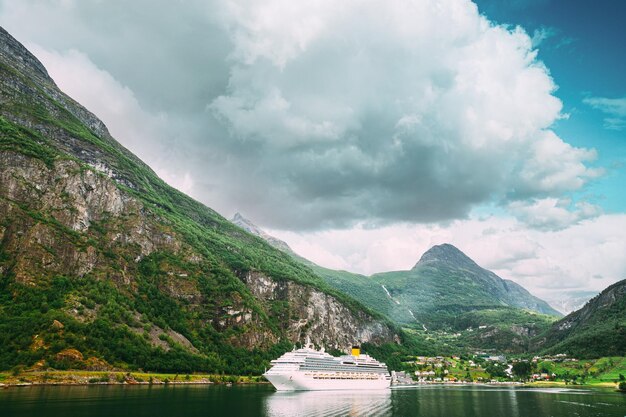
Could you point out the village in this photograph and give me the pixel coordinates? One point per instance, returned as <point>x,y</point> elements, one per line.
<point>487,368</point>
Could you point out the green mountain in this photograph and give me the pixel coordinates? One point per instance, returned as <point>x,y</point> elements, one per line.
<point>464,306</point>
<point>598,329</point>
<point>101,261</point>
<point>446,284</point>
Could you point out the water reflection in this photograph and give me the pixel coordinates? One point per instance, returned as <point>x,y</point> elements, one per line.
<point>255,401</point>
<point>328,403</point>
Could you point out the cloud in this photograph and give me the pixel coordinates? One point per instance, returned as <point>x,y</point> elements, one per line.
<point>313,114</point>
<point>541,34</point>
<point>553,213</point>
<point>614,108</point>
<point>417,120</point>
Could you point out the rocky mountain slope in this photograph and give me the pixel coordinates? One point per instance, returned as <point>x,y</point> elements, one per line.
<point>598,329</point>
<point>102,259</point>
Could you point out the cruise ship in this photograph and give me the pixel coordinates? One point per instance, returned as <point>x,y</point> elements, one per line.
<point>308,369</point>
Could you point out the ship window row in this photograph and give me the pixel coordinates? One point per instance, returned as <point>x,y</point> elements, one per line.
<point>345,367</point>
<point>332,363</point>
<point>340,370</point>
<point>336,361</point>
<point>360,377</point>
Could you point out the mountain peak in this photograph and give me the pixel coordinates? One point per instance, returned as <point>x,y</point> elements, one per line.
<point>446,254</point>
<point>12,51</point>
<point>246,224</point>
<point>252,228</point>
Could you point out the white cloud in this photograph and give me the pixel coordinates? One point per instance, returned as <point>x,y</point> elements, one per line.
<point>553,213</point>
<point>556,166</point>
<point>407,111</point>
<point>541,34</point>
<point>614,108</point>
<point>317,114</point>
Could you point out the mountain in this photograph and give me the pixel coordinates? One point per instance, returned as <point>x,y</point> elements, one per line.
<point>598,329</point>
<point>485,287</point>
<point>103,262</point>
<point>446,280</point>
<point>447,292</point>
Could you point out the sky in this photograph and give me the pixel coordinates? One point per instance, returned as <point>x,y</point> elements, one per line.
<point>364,132</point>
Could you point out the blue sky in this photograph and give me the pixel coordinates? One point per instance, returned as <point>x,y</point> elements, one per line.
<point>584,49</point>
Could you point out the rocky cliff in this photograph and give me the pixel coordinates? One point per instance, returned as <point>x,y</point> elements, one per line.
<point>133,271</point>
<point>322,320</point>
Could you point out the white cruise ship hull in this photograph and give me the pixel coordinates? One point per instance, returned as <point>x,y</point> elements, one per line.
<point>299,381</point>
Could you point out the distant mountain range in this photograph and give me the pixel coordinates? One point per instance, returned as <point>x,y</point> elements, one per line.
<point>445,278</point>
<point>445,291</point>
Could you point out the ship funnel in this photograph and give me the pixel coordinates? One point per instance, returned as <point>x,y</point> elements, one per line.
<point>356,351</point>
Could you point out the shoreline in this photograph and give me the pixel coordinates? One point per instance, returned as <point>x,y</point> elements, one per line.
<point>602,385</point>
<point>89,378</point>
<point>560,384</point>
<point>126,378</point>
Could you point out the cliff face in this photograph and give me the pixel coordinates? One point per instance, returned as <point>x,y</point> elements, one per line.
<point>132,270</point>
<point>322,320</point>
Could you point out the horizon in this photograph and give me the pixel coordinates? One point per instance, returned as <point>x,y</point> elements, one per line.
<point>494,139</point>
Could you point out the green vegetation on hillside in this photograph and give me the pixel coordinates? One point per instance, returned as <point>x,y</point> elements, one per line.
<point>598,329</point>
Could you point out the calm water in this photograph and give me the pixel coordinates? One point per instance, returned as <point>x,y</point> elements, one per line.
<point>203,400</point>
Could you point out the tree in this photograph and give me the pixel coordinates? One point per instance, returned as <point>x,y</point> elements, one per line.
<point>522,370</point>
<point>495,370</point>
<point>621,377</point>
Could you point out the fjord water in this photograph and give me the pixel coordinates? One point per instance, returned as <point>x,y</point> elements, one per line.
<point>202,400</point>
